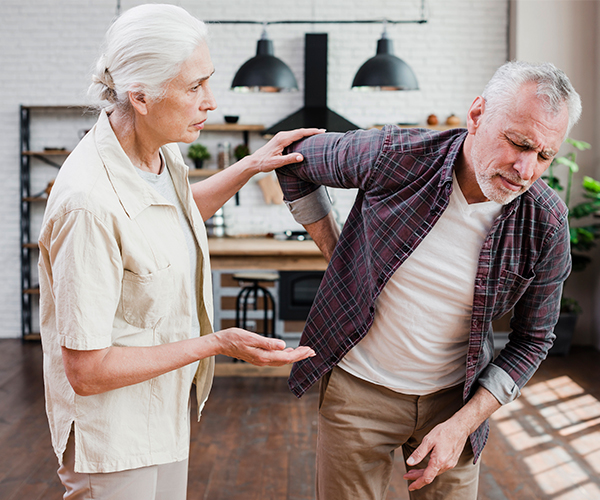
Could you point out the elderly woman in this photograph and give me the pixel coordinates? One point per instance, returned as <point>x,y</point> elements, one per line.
<point>125,284</point>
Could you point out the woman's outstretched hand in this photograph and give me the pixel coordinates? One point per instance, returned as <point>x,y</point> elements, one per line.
<point>256,349</point>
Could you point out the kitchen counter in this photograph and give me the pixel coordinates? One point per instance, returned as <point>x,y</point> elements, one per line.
<point>265,253</point>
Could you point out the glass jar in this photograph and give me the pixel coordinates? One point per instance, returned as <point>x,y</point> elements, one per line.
<point>223,155</point>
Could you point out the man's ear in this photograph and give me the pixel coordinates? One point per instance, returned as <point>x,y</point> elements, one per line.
<point>138,101</point>
<point>475,114</point>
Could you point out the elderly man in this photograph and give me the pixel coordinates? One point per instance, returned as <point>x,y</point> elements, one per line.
<point>450,230</point>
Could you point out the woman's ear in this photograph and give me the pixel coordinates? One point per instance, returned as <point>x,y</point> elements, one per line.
<point>138,101</point>
<point>475,114</point>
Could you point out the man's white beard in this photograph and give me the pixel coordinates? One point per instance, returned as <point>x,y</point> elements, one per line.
<point>495,192</point>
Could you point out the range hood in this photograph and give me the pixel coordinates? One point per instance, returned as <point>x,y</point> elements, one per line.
<point>315,112</point>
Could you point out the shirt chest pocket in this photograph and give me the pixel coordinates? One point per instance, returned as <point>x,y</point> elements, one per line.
<point>511,287</point>
<point>146,298</point>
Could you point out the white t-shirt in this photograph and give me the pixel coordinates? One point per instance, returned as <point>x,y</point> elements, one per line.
<point>163,184</point>
<point>419,339</point>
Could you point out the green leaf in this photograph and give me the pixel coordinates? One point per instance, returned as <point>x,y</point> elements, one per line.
<point>570,305</point>
<point>584,209</point>
<point>585,234</point>
<point>581,145</point>
<point>590,184</point>
<point>553,182</point>
<point>573,236</point>
<point>584,238</point>
<point>569,163</point>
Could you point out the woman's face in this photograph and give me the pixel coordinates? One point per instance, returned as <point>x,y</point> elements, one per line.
<point>181,114</point>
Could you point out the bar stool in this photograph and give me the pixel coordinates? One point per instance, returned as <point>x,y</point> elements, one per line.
<point>253,289</point>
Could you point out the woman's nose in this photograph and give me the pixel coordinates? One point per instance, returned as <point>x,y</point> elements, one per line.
<point>209,102</point>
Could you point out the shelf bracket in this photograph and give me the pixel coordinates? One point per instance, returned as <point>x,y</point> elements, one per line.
<point>46,160</point>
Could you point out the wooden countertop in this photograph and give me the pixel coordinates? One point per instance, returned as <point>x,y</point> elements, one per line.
<point>265,253</point>
<point>261,246</point>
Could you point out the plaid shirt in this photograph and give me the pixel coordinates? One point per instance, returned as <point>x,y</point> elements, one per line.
<point>404,178</point>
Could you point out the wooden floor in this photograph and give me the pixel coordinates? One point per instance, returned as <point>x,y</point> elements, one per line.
<point>256,441</point>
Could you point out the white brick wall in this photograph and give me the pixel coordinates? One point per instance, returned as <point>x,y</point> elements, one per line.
<point>47,48</point>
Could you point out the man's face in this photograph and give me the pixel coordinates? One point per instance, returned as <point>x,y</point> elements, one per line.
<point>512,148</point>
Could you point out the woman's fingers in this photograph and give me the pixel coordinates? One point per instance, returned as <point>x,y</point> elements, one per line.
<point>270,157</point>
<point>259,350</point>
<point>286,137</point>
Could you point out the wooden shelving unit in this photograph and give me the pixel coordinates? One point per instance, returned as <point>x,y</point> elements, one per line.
<point>233,127</point>
<point>54,157</point>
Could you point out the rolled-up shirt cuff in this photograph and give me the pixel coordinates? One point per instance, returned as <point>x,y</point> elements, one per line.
<point>310,208</point>
<point>499,383</point>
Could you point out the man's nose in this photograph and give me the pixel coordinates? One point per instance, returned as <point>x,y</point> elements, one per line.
<point>526,164</point>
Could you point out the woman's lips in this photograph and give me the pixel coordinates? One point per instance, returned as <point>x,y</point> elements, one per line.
<point>199,125</point>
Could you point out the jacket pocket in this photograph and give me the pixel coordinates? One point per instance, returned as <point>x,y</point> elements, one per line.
<point>512,286</point>
<point>147,297</point>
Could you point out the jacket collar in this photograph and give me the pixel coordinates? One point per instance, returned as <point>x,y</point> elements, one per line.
<point>134,194</point>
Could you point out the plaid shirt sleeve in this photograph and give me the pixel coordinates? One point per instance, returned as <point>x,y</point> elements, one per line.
<point>331,159</point>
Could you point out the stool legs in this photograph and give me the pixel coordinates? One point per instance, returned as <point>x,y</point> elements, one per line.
<point>268,297</point>
<point>242,308</point>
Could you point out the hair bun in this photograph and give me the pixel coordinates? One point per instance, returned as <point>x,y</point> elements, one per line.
<point>108,92</point>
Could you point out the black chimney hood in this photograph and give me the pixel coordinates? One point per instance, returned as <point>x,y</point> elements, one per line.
<point>315,112</point>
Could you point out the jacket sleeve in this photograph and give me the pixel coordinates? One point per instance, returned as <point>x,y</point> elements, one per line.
<point>82,272</point>
<point>332,159</point>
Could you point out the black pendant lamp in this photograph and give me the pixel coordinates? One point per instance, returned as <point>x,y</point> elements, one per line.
<point>264,72</point>
<point>385,71</point>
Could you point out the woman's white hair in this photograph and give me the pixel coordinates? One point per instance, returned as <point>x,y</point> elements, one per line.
<point>553,88</point>
<point>143,51</point>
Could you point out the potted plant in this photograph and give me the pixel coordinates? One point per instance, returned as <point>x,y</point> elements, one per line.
<point>198,152</point>
<point>240,151</point>
<point>583,236</point>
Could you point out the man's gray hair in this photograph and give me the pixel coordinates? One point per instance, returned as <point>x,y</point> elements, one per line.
<point>553,88</point>
<point>143,51</point>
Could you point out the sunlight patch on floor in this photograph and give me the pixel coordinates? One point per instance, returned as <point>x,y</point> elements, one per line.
<point>558,435</point>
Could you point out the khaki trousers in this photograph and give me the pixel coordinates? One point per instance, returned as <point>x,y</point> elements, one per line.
<point>362,424</point>
<point>157,482</point>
